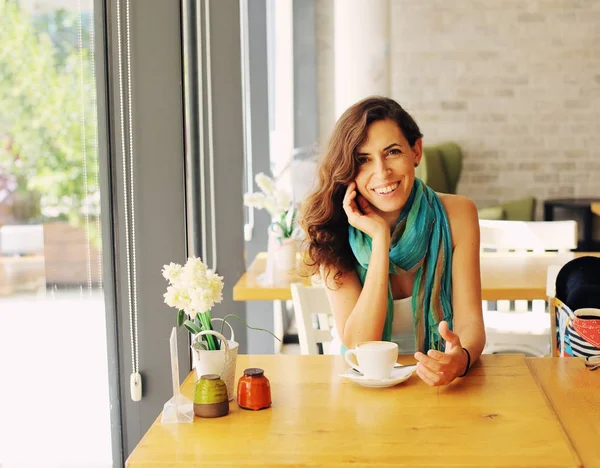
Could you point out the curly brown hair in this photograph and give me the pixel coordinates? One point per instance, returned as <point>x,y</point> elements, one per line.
<point>321,216</point>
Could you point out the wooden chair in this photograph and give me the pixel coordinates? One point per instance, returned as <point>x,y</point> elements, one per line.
<point>521,328</point>
<point>551,276</point>
<point>313,315</point>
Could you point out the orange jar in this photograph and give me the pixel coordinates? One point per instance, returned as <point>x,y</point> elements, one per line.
<point>254,390</point>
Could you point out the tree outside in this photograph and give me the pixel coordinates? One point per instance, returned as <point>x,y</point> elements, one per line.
<point>48,122</point>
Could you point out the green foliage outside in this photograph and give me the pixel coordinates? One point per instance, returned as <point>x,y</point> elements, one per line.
<point>48,113</point>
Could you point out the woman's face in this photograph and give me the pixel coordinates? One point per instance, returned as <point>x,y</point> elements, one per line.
<point>387,168</point>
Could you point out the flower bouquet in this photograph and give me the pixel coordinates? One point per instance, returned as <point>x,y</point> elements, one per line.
<point>283,228</point>
<point>193,290</point>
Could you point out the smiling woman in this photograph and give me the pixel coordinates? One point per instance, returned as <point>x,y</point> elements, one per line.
<point>400,262</point>
<point>386,168</point>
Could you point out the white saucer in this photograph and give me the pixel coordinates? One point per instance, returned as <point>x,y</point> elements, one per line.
<point>398,376</point>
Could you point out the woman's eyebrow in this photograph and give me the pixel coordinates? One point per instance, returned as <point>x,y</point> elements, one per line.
<point>391,146</point>
<point>384,149</point>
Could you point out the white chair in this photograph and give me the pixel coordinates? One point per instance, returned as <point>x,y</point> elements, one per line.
<point>314,319</point>
<point>528,236</point>
<point>520,329</point>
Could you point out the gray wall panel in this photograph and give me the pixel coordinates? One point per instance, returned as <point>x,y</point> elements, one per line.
<point>158,146</point>
<point>260,314</point>
<point>229,155</point>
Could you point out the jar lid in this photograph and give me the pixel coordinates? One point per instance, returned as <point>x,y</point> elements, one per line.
<point>254,372</point>
<point>210,377</point>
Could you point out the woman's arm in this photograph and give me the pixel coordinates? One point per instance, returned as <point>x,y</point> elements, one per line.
<point>360,310</point>
<point>439,368</point>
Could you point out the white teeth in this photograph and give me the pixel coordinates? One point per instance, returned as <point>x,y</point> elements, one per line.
<point>387,189</point>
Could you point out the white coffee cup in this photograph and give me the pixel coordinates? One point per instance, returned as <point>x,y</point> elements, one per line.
<point>376,359</point>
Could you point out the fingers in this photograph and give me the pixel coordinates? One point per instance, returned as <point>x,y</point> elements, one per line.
<point>427,361</point>
<point>349,203</point>
<point>448,335</point>
<point>363,204</point>
<point>350,193</point>
<point>439,356</point>
<point>437,368</point>
<point>430,377</point>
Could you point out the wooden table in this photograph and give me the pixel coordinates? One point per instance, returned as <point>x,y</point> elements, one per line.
<point>574,393</point>
<point>595,207</point>
<point>497,416</point>
<point>503,276</point>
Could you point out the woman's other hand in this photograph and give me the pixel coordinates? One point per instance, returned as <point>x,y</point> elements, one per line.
<point>361,214</point>
<point>437,368</point>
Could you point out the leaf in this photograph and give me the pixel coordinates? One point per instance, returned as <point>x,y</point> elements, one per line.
<point>200,345</point>
<point>192,327</point>
<point>247,326</point>
<point>180,318</point>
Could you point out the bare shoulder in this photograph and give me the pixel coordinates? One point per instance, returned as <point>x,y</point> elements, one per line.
<point>335,279</point>
<point>458,206</point>
<point>462,216</point>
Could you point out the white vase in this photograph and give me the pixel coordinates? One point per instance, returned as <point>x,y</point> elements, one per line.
<point>284,252</point>
<point>221,362</point>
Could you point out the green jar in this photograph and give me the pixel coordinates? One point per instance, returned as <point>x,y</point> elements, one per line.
<point>210,397</point>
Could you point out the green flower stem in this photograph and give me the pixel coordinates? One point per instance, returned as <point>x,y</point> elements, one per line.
<point>248,326</point>
<point>204,317</point>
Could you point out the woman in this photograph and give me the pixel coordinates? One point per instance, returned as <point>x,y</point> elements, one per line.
<point>400,262</point>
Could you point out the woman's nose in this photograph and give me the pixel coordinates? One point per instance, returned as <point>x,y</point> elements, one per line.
<point>382,168</point>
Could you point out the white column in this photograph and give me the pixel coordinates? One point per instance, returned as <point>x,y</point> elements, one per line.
<point>361,49</point>
<point>281,137</point>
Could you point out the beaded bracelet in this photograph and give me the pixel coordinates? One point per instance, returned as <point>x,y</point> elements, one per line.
<point>468,362</point>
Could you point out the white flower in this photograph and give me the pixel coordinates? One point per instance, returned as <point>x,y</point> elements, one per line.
<point>255,200</point>
<point>265,183</point>
<point>194,272</point>
<point>172,272</point>
<point>177,297</point>
<point>215,284</point>
<point>276,201</point>
<point>193,288</point>
<point>272,207</point>
<point>284,201</point>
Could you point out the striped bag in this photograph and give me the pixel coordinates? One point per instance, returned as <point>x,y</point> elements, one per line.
<point>577,333</point>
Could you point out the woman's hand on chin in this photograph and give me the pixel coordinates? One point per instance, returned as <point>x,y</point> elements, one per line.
<point>362,216</point>
<point>437,368</point>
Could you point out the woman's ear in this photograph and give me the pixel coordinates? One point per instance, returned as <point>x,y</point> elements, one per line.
<point>418,151</point>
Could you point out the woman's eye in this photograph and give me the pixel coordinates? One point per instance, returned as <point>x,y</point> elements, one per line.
<point>363,160</point>
<point>394,152</point>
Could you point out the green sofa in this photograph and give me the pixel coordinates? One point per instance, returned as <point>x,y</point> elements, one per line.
<point>440,168</point>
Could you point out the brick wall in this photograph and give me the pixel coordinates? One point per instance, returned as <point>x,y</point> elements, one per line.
<point>515,83</point>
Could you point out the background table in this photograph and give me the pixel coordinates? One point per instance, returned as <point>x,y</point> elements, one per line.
<point>574,393</point>
<point>503,276</point>
<point>496,416</point>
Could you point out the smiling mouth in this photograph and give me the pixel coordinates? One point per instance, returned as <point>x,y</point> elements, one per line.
<point>387,190</point>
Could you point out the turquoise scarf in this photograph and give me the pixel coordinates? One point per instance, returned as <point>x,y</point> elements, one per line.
<point>422,240</point>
